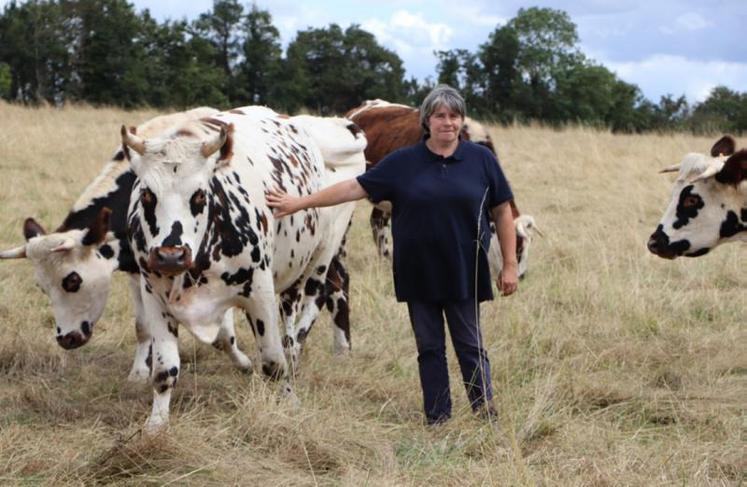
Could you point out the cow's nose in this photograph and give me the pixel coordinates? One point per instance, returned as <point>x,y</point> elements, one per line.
<point>170,260</point>
<point>72,340</point>
<point>658,241</point>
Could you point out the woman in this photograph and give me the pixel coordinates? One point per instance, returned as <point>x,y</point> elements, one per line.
<point>442,190</point>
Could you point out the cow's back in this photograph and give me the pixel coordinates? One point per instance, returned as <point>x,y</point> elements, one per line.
<point>269,152</point>
<point>387,128</point>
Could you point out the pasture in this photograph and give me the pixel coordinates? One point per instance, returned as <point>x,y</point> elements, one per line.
<point>611,366</point>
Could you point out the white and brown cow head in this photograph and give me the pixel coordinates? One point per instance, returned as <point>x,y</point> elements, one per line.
<point>74,269</point>
<point>175,173</point>
<point>708,205</point>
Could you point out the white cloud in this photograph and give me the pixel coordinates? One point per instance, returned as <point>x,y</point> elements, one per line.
<point>662,74</point>
<point>687,22</point>
<point>410,29</point>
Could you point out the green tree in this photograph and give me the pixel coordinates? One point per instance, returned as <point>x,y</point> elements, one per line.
<point>33,38</point>
<point>724,110</point>
<point>5,80</point>
<point>339,69</point>
<point>222,28</point>
<point>109,52</point>
<point>260,69</point>
<point>177,67</point>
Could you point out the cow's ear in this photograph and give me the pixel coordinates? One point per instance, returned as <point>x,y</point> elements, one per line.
<point>725,146</point>
<point>97,230</point>
<point>32,229</point>
<point>734,170</point>
<point>222,141</point>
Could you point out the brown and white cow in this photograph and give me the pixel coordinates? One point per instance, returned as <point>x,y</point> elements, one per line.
<point>708,206</point>
<point>205,240</point>
<point>390,126</point>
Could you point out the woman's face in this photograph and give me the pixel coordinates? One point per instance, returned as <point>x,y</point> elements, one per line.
<point>445,124</point>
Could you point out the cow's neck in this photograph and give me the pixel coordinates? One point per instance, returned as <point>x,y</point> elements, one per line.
<point>111,189</point>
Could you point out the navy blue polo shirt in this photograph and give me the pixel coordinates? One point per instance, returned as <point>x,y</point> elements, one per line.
<point>437,203</point>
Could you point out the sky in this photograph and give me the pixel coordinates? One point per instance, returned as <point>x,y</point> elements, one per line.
<point>663,46</point>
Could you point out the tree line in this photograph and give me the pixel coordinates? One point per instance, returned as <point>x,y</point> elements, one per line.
<point>103,52</point>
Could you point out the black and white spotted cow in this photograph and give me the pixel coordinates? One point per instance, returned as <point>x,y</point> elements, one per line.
<point>708,205</point>
<point>206,241</point>
<point>74,264</point>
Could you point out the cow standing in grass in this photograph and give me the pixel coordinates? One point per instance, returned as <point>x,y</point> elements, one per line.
<point>391,126</point>
<point>205,239</point>
<point>708,205</point>
<point>74,264</point>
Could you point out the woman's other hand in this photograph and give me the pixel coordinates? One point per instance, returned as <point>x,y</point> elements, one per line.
<point>508,280</point>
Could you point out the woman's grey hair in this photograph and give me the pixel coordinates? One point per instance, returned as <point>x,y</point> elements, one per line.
<point>441,95</point>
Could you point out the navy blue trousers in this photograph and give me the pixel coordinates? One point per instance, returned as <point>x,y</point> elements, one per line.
<point>427,321</point>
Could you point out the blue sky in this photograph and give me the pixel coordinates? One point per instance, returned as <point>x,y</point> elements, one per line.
<point>663,46</point>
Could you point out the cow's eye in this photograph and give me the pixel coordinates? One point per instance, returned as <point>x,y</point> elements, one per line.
<point>71,283</point>
<point>691,202</point>
<point>147,197</point>
<point>199,197</point>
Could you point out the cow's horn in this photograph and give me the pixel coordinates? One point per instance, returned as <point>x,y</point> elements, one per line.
<point>210,147</point>
<point>67,244</point>
<point>16,253</point>
<point>132,141</point>
<point>710,171</point>
<point>673,168</point>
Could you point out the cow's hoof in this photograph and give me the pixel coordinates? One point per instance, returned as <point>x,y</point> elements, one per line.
<point>341,349</point>
<point>273,370</point>
<point>243,363</point>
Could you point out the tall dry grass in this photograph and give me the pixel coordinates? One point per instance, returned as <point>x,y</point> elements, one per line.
<point>612,367</point>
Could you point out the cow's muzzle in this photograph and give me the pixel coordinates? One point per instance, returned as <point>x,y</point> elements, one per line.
<point>76,339</point>
<point>170,261</point>
<point>659,244</point>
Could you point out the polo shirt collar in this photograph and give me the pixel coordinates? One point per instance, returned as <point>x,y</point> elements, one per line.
<point>458,154</point>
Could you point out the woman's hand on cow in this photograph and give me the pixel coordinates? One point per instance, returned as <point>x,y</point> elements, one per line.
<point>508,279</point>
<point>282,203</point>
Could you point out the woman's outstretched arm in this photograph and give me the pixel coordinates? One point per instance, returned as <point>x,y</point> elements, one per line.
<point>284,204</point>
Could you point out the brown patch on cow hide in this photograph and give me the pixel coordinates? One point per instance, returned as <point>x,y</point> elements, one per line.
<point>183,132</point>
<point>236,111</point>
<point>388,128</point>
<point>213,123</point>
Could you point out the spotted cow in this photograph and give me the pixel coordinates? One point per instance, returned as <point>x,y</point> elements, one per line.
<point>708,205</point>
<point>205,239</point>
<point>389,126</point>
<point>74,264</point>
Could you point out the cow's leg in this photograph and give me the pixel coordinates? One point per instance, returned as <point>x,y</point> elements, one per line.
<point>261,310</point>
<point>337,301</point>
<point>380,227</point>
<point>290,300</point>
<point>140,369</point>
<point>334,294</point>
<point>164,359</point>
<point>226,341</point>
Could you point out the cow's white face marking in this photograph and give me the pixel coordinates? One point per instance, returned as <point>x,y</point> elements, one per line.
<point>77,281</point>
<point>173,204</point>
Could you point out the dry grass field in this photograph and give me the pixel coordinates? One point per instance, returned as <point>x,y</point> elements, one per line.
<point>612,366</point>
